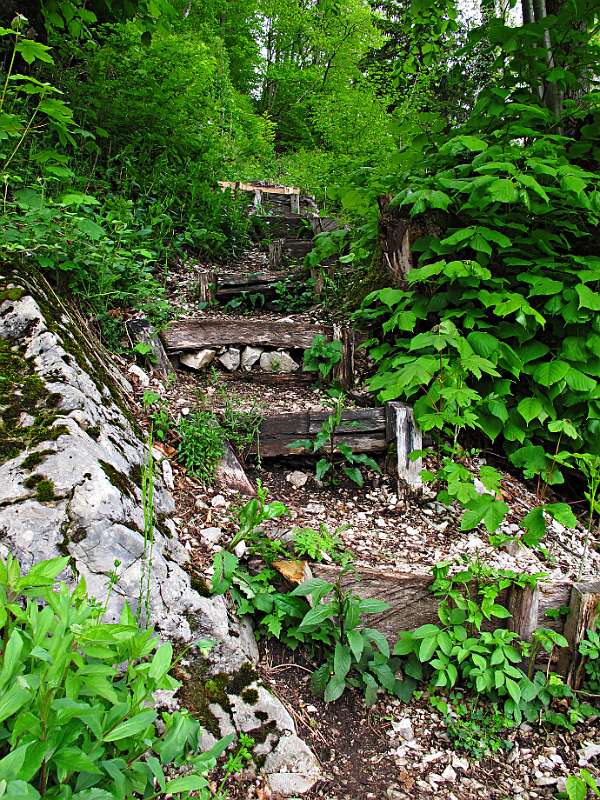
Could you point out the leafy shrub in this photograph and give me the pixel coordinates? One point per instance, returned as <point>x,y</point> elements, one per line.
<point>590,649</point>
<point>76,715</point>
<point>202,445</point>
<point>476,729</point>
<point>496,329</point>
<point>322,356</point>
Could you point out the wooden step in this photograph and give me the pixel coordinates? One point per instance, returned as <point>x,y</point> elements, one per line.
<point>196,334</point>
<point>363,429</point>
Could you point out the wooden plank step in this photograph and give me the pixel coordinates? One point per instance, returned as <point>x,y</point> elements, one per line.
<point>195,334</point>
<point>411,603</point>
<point>363,429</point>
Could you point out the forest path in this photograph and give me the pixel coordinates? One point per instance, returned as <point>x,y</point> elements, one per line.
<point>225,352</point>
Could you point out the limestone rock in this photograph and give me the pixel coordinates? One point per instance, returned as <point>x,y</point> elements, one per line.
<point>291,768</point>
<point>278,361</point>
<point>199,359</point>
<point>250,356</point>
<point>167,471</point>
<point>230,359</point>
<point>85,499</point>
<point>297,478</point>
<point>140,375</point>
<point>211,535</point>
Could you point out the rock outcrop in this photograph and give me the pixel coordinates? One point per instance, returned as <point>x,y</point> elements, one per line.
<point>72,467</point>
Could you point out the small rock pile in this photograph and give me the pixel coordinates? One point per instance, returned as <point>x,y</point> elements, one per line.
<point>233,358</point>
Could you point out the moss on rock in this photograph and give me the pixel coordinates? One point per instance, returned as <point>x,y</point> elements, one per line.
<point>26,417</point>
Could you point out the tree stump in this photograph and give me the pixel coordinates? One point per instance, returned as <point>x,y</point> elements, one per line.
<point>584,609</point>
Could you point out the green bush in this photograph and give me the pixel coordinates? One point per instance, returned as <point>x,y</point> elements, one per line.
<point>76,697</point>
<point>202,445</point>
<point>497,328</point>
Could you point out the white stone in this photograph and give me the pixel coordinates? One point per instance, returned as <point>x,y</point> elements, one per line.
<point>218,501</point>
<point>278,361</point>
<point>250,356</point>
<point>449,774</point>
<point>240,549</point>
<point>404,729</point>
<point>167,471</point>
<point>230,359</point>
<point>297,478</point>
<point>140,375</point>
<point>199,359</point>
<point>211,535</point>
<point>291,768</point>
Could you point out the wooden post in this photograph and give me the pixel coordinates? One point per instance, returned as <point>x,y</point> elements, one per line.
<point>401,428</point>
<point>295,203</point>
<point>524,605</point>
<point>584,609</point>
<point>275,253</point>
<point>207,286</point>
<point>257,198</point>
<point>142,332</point>
<point>343,372</point>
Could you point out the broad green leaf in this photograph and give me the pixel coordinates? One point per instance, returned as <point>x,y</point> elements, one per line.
<point>187,783</point>
<point>12,700</point>
<point>335,689</point>
<point>587,297</point>
<point>131,727</point>
<point>341,660</point>
<point>550,372</point>
<point>356,642</point>
<point>530,408</point>
<point>161,662</point>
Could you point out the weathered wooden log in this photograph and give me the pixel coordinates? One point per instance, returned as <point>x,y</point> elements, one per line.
<point>343,372</point>
<point>194,334</point>
<point>231,475</point>
<point>363,429</point>
<point>142,332</point>
<point>411,603</point>
<point>397,234</point>
<point>275,256</point>
<point>402,429</point>
<point>296,249</point>
<point>524,606</point>
<point>584,610</point>
<point>265,188</point>
<point>207,286</point>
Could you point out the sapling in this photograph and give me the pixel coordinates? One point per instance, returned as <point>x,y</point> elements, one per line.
<point>589,464</point>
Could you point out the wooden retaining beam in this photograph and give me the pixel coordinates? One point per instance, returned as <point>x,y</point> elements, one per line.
<point>195,334</point>
<point>362,428</point>
<point>222,286</point>
<point>411,603</point>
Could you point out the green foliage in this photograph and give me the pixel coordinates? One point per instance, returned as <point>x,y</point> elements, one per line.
<point>590,650</point>
<point>326,442</point>
<point>158,409</point>
<point>458,653</point>
<point>291,296</point>
<point>322,356</point>
<point>201,445</point>
<point>476,729</point>
<point>76,714</point>
<point>320,545</point>
<point>579,787</point>
<point>495,330</point>
<point>356,655</point>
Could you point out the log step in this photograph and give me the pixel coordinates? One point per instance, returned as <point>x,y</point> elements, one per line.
<point>363,429</point>
<point>196,334</point>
